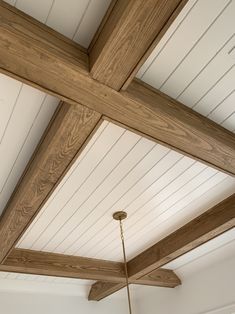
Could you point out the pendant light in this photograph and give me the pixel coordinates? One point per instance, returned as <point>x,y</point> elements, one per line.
<point>120,216</point>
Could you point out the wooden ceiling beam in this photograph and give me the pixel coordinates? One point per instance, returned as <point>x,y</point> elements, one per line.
<point>60,265</point>
<point>40,57</point>
<point>200,230</point>
<point>160,277</point>
<point>60,145</point>
<point>130,32</point>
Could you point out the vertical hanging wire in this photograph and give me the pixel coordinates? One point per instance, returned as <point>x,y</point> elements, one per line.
<point>125,266</point>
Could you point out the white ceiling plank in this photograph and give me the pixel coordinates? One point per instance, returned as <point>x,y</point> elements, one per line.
<point>118,197</point>
<point>121,170</point>
<point>11,2</point>
<point>217,94</point>
<point>192,63</point>
<point>204,249</point>
<point>9,91</point>
<point>65,17</point>
<point>130,229</point>
<point>30,141</point>
<point>3,275</point>
<point>166,222</point>
<point>22,132</point>
<point>206,50</point>
<point>160,168</point>
<point>189,6</point>
<point>95,186</point>
<point>136,202</point>
<point>65,179</point>
<point>150,219</point>
<point>224,110</point>
<point>90,22</point>
<point>229,123</point>
<point>77,179</point>
<point>186,36</point>
<point>135,155</point>
<point>37,9</point>
<point>209,77</point>
<point>11,275</point>
<point>76,19</point>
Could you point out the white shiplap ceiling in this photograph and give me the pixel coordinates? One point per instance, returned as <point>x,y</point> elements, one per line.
<point>159,188</point>
<point>76,19</point>
<point>193,63</point>
<point>24,115</point>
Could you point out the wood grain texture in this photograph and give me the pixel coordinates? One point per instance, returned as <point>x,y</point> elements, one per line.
<point>101,289</point>
<point>207,226</point>
<point>27,56</point>
<point>154,44</point>
<point>180,127</point>
<point>200,230</point>
<point>40,32</point>
<point>127,35</point>
<point>160,278</point>
<point>60,145</point>
<point>60,265</point>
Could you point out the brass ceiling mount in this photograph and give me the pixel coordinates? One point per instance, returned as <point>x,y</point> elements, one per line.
<point>120,215</point>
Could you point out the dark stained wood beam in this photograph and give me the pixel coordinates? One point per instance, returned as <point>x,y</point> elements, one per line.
<point>60,145</point>
<point>60,265</point>
<point>32,53</point>
<point>200,230</point>
<point>130,32</point>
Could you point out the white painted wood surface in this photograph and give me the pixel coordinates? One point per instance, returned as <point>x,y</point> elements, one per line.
<point>76,19</point>
<point>225,240</point>
<point>160,189</point>
<point>24,115</point>
<point>193,64</point>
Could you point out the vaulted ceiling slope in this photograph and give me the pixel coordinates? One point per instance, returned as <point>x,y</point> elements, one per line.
<point>194,62</point>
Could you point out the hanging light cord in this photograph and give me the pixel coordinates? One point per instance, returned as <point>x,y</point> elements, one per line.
<point>125,266</point>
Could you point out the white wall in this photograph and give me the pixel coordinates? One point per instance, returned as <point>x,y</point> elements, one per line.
<point>26,303</point>
<point>211,290</point>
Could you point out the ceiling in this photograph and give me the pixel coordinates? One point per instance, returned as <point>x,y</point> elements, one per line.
<point>76,19</point>
<point>214,251</point>
<point>193,63</point>
<point>24,115</point>
<point>210,254</point>
<point>160,189</point>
